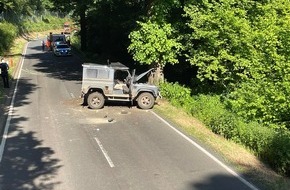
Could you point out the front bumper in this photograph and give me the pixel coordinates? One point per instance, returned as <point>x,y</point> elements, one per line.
<point>62,53</point>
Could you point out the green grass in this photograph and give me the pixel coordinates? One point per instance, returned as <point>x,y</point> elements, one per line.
<point>240,157</point>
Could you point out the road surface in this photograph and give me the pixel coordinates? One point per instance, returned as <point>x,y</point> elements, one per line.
<point>52,142</point>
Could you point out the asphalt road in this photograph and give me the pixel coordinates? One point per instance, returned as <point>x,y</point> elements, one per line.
<point>55,143</point>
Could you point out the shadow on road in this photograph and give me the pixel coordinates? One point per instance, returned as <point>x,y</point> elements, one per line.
<point>26,163</point>
<point>27,88</point>
<point>64,68</point>
<point>220,182</point>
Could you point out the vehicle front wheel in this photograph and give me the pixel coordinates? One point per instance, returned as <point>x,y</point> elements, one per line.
<point>146,100</point>
<point>96,100</point>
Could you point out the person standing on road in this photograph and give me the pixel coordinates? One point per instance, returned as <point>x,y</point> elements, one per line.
<point>50,41</point>
<point>48,44</point>
<point>68,41</point>
<point>4,72</point>
<point>42,45</point>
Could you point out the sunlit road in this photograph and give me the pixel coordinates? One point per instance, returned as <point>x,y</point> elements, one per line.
<point>54,143</point>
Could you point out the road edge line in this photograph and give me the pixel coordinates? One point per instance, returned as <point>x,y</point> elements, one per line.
<point>231,171</point>
<point>11,107</point>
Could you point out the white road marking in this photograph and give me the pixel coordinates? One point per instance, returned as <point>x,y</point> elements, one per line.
<point>105,153</point>
<point>11,108</point>
<point>208,154</point>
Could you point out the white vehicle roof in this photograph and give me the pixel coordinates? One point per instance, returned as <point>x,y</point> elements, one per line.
<point>114,65</point>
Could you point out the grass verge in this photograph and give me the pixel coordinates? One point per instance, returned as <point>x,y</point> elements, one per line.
<point>13,57</point>
<point>234,154</point>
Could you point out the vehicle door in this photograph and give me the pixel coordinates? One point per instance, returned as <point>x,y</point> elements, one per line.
<point>120,85</point>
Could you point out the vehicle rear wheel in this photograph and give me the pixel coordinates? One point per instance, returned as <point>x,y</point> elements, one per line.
<point>96,100</point>
<point>146,100</point>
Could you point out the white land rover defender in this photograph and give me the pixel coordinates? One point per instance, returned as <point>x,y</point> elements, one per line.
<point>114,82</point>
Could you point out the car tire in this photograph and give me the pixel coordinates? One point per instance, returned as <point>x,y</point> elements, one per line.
<point>96,100</point>
<point>146,100</point>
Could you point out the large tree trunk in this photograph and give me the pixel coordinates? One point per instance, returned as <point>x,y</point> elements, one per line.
<point>157,75</point>
<point>148,6</point>
<point>83,24</point>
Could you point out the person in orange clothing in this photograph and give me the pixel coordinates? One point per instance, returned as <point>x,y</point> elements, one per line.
<point>48,44</point>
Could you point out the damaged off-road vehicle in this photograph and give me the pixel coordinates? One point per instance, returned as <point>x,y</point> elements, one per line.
<point>114,82</point>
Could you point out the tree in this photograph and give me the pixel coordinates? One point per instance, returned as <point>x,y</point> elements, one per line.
<point>79,8</point>
<point>17,6</point>
<point>220,40</point>
<point>8,33</point>
<point>154,44</point>
<point>25,7</point>
<point>243,45</point>
<point>155,40</point>
<point>109,24</point>
<point>264,95</point>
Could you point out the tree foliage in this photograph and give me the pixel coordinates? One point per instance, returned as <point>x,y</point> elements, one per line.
<point>161,11</point>
<point>109,24</point>
<point>270,69</point>
<point>220,41</point>
<point>154,43</point>
<point>26,7</point>
<point>79,10</point>
<point>244,46</point>
<point>8,32</point>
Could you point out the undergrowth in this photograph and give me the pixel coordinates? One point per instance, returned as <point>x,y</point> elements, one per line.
<point>269,144</point>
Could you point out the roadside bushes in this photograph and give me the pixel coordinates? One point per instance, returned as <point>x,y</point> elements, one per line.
<point>178,95</point>
<point>46,22</point>
<point>278,154</point>
<point>268,143</point>
<point>8,33</point>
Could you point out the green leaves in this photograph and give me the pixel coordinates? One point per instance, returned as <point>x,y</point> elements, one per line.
<point>271,144</point>
<point>264,100</point>
<point>221,32</point>
<point>154,43</point>
<point>244,46</point>
<point>8,33</point>
<point>25,7</point>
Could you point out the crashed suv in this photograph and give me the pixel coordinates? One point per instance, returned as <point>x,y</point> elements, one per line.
<point>114,82</point>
